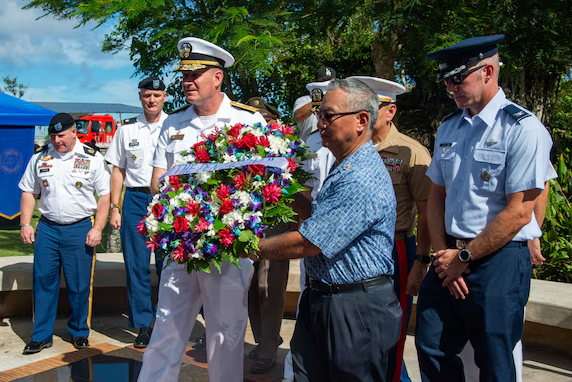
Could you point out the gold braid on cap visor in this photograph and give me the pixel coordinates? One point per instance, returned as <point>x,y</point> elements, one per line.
<point>385,99</point>
<point>192,65</point>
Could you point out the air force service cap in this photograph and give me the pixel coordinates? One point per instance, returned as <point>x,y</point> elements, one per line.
<point>152,83</point>
<point>198,54</point>
<point>387,91</point>
<point>60,122</point>
<point>458,58</point>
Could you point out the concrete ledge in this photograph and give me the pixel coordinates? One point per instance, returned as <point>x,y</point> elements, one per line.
<point>548,313</point>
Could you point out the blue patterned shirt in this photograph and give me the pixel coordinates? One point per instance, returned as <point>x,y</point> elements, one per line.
<point>353,221</point>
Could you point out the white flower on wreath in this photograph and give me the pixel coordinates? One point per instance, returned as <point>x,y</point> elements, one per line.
<point>168,218</point>
<point>151,223</point>
<point>243,197</point>
<point>203,177</point>
<point>196,255</point>
<point>232,217</point>
<point>258,185</point>
<point>229,158</point>
<point>278,146</point>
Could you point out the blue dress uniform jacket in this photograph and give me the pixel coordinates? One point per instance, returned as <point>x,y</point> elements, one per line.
<point>132,149</point>
<point>67,202</point>
<point>502,150</point>
<point>223,296</point>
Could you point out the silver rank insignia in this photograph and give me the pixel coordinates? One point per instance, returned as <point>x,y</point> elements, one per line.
<point>485,175</point>
<point>491,142</point>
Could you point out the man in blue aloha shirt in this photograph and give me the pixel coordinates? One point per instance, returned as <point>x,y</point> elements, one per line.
<point>349,316</point>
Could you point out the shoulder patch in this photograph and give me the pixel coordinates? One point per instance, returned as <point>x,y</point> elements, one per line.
<point>180,109</point>
<point>244,107</point>
<point>89,150</point>
<point>515,112</point>
<point>129,121</point>
<point>451,115</point>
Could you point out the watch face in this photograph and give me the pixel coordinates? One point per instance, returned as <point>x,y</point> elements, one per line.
<point>464,255</point>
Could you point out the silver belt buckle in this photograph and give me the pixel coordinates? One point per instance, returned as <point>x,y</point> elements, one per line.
<point>461,244</point>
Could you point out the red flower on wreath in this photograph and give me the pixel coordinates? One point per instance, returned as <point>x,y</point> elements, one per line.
<point>226,207</point>
<point>239,180</point>
<point>292,165</point>
<point>141,228</point>
<point>181,224</point>
<point>247,142</point>
<point>223,192</point>
<point>179,254</point>
<point>193,208</point>
<point>257,169</point>
<point>175,182</point>
<point>202,154</point>
<point>235,130</point>
<point>272,193</point>
<point>263,141</point>
<point>157,210</point>
<point>202,225</point>
<point>226,238</point>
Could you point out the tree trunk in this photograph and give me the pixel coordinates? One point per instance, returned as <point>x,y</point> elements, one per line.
<point>383,53</point>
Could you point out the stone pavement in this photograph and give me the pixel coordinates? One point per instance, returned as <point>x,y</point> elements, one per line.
<point>112,358</point>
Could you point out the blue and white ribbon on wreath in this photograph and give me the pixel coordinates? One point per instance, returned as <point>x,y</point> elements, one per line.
<point>192,168</point>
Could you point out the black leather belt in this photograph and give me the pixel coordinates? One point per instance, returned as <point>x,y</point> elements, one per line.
<point>146,190</point>
<point>51,222</point>
<point>364,285</point>
<point>456,243</point>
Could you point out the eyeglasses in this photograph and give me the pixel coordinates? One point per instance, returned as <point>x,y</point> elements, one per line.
<point>458,79</point>
<point>331,117</point>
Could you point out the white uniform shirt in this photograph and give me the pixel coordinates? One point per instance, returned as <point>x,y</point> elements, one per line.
<point>481,159</point>
<point>181,130</point>
<point>67,182</point>
<point>133,148</point>
<point>319,166</point>
<point>310,124</point>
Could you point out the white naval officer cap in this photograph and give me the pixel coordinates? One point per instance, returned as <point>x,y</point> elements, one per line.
<point>386,90</point>
<point>198,54</point>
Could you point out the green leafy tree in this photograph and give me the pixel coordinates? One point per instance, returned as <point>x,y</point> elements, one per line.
<point>12,86</point>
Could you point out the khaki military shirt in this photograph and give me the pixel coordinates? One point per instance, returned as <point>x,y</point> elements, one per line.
<point>407,161</point>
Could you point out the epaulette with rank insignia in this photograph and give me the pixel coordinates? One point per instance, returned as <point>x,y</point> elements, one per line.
<point>129,121</point>
<point>243,106</point>
<point>180,109</point>
<point>451,115</point>
<point>89,150</point>
<point>43,148</point>
<point>515,112</point>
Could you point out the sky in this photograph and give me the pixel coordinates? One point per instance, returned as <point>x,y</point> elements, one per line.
<point>59,63</point>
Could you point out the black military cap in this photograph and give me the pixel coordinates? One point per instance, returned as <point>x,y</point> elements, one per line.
<point>152,83</point>
<point>458,58</point>
<point>325,73</point>
<point>268,111</point>
<point>61,122</point>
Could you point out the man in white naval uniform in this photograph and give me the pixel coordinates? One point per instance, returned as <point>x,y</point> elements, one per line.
<point>131,153</point>
<point>223,296</point>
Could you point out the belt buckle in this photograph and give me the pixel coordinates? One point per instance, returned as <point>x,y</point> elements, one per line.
<point>461,244</point>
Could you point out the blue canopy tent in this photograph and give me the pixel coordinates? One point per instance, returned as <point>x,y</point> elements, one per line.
<point>18,119</point>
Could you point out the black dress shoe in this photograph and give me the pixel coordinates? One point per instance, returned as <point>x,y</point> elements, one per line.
<point>143,338</point>
<point>36,347</point>
<point>80,342</point>
<point>262,366</point>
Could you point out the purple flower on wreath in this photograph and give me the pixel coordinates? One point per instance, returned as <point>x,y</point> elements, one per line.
<point>209,249</point>
<point>179,211</point>
<point>260,230</point>
<point>255,202</point>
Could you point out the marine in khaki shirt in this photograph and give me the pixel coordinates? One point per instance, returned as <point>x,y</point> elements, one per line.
<point>406,160</point>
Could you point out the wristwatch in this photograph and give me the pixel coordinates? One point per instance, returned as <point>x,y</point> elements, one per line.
<point>465,255</point>
<point>425,259</point>
<point>113,205</point>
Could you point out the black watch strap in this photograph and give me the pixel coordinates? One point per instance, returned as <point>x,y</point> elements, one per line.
<point>425,259</point>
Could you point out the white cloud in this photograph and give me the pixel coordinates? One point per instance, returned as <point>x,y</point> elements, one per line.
<point>27,40</point>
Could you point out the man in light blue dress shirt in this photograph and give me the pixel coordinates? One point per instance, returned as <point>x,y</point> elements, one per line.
<point>489,166</point>
<point>349,316</point>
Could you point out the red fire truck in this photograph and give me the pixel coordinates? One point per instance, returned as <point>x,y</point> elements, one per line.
<point>96,130</point>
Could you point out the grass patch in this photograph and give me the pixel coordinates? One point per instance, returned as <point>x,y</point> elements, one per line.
<point>11,245</point>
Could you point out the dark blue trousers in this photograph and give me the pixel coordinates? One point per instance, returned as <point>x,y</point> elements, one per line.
<point>491,317</point>
<point>346,336</point>
<point>62,247</point>
<point>137,258</point>
<point>403,257</point>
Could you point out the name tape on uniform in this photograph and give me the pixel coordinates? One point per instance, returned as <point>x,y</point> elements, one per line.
<point>193,168</point>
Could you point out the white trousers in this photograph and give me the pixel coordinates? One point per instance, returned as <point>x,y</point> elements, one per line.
<point>288,365</point>
<point>224,301</point>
